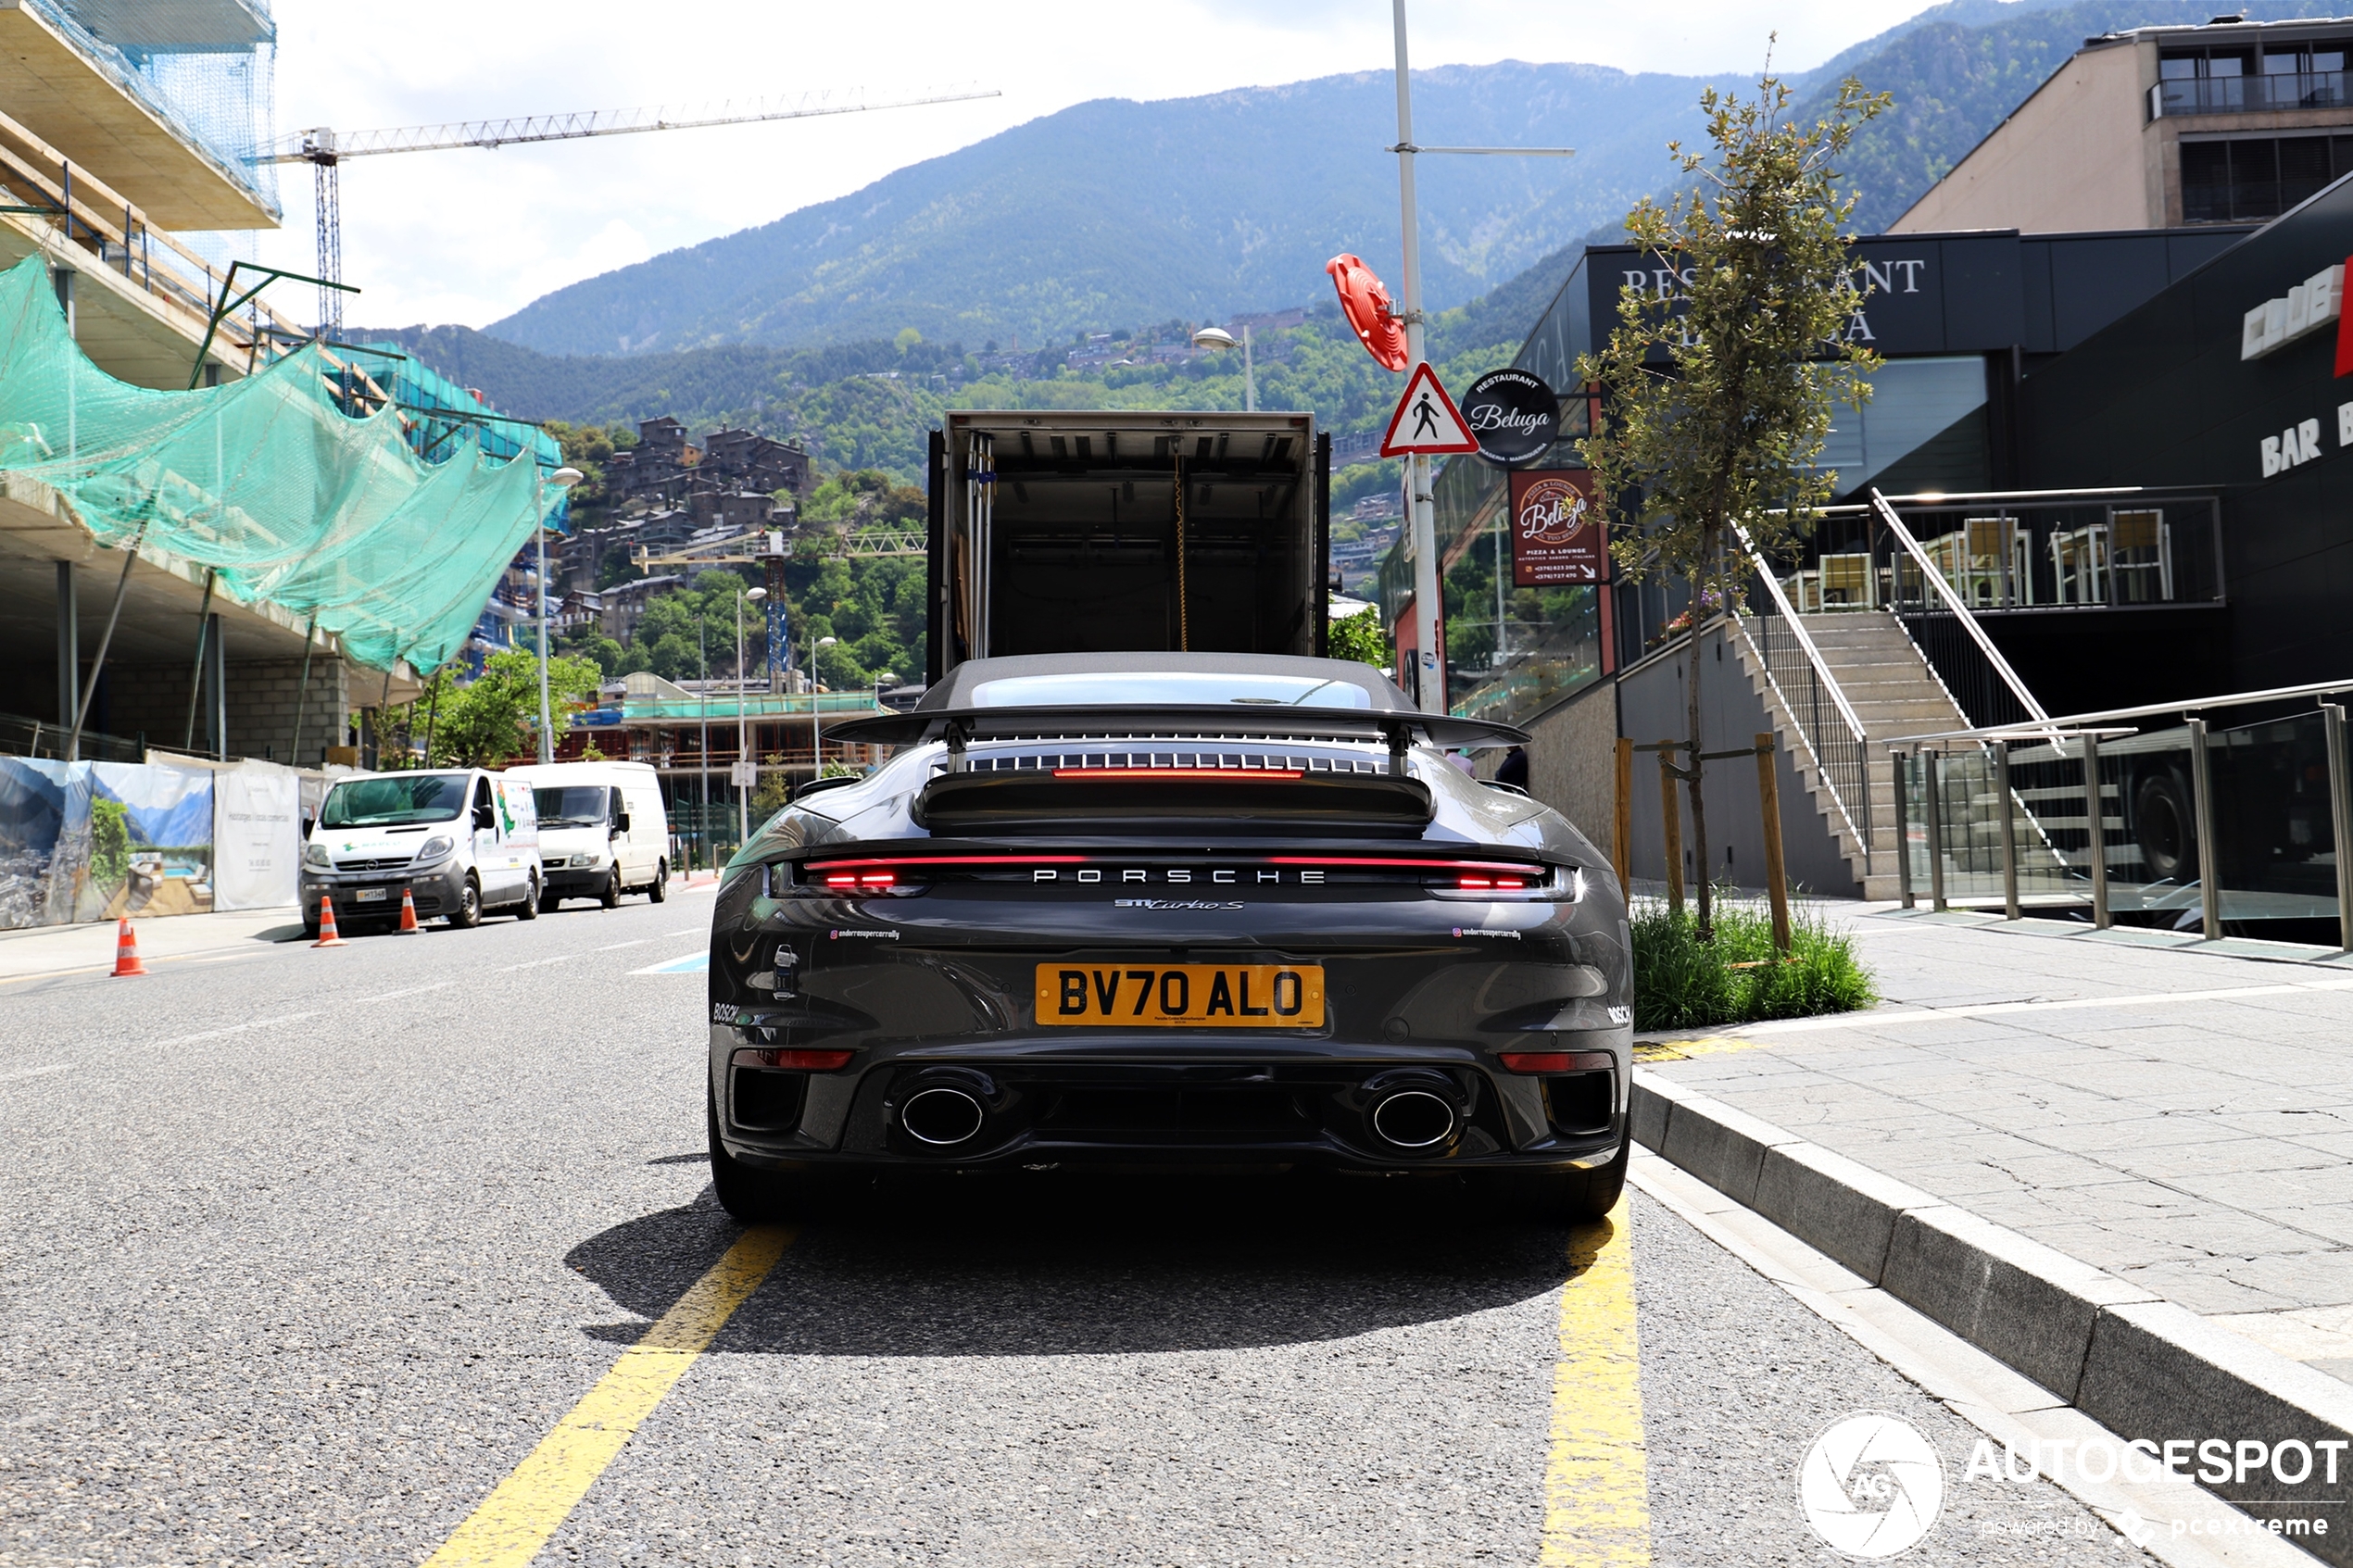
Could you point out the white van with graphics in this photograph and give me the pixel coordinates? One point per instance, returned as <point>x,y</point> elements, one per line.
<point>459,840</point>
<point>602,831</point>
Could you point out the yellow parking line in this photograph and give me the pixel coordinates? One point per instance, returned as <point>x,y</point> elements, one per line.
<point>1597,1512</point>
<point>1683,1051</point>
<point>526,1507</point>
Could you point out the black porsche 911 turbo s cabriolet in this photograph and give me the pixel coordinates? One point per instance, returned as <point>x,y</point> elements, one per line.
<point>1196,911</point>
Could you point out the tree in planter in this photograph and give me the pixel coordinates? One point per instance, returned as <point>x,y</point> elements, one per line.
<point>1715,400</point>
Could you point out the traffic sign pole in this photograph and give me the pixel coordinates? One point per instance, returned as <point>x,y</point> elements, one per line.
<point>1430,675</point>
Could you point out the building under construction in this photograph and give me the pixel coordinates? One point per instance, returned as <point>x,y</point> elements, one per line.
<point>217,533</point>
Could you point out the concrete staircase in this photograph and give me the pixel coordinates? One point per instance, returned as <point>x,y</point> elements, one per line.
<point>1895,693</point>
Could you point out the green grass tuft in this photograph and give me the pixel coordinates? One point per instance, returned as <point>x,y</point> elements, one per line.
<point>1683,983</point>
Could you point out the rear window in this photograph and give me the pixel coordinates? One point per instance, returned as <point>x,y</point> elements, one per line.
<point>1154,688</point>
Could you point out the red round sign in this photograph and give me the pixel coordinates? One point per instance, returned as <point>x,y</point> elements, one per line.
<point>1367,307</point>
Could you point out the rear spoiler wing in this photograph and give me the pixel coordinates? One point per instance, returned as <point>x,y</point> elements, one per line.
<point>958,725</point>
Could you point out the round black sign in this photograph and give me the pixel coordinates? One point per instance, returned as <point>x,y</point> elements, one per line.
<point>1513,415</point>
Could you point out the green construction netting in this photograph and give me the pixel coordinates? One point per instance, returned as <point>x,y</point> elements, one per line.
<point>268,481</point>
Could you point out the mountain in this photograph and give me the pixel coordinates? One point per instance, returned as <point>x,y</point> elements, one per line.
<point>1115,213</point>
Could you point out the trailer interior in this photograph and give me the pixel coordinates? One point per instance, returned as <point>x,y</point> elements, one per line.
<point>1100,532</point>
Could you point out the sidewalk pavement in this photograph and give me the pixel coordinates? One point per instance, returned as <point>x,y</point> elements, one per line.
<point>46,951</point>
<point>2180,1120</point>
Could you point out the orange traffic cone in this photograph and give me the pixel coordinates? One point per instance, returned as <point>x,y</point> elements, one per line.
<point>126,950</point>
<point>327,935</point>
<point>408,911</point>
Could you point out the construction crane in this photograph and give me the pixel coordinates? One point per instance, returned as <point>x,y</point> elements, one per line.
<point>325,148</point>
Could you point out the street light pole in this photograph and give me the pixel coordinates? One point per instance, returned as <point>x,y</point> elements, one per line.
<point>566,477</point>
<point>1421,521</point>
<point>702,757</point>
<point>816,740</point>
<point>742,741</point>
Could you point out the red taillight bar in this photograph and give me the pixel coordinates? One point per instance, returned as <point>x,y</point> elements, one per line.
<point>1177,772</point>
<point>1555,1062</point>
<point>797,1060</point>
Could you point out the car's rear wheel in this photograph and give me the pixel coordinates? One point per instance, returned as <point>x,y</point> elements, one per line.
<point>660,886</point>
<point>529,908</point>
<point>611,897</point>
<point>751,1197</point>
<point>1567,1198</point>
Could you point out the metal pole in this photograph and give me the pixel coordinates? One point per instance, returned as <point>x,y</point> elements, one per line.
<point>1933,815</point>
<point>2097,828</point>
<point>1429,678</point>
<point>702,669</point>
<point>743,745</point>
<point>1898,765</point>
<point>816,739</point>
<point>547,727</point>
<point>69,645</point>
<point>2210,864</point>
<point>433,712</point>
<point>2009,829</point>
<point>195,677</point>
<point>302,693</point>
<point>2340,819</point>
<point>99,661</point>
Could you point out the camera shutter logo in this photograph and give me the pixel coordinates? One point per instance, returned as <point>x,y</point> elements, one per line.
<point>1871,1485</point>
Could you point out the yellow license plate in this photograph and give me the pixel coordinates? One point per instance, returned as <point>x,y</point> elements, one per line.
<point>1185,995</point>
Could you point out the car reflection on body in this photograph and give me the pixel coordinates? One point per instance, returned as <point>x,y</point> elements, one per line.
<point>1225,910</point>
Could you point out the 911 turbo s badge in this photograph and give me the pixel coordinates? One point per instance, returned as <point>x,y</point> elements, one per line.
<point>1176,904</point>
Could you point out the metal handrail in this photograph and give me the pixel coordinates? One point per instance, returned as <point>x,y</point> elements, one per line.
<point>1960,609</point>
<point>2145,711</point>
<point>1813,654</point>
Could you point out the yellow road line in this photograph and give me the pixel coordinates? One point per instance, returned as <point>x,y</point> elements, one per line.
<point>526,1507</point>
<point>1597,1512</point>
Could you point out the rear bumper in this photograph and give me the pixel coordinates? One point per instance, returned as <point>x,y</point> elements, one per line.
<point>1219,1104</point>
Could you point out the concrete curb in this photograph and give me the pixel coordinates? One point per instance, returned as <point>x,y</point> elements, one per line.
<point>2140,1366</point>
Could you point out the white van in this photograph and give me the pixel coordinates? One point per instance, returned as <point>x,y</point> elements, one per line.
<point>602,831</point>
<point>459,840</point>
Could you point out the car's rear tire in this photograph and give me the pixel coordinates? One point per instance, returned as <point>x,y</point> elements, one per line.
<point>1570,1197</point>
<point>529,908</point>
<point>611,897</point>
<point>751,1197</point>
<point>660,888</point>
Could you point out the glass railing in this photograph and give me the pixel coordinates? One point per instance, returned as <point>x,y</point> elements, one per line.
<point>2267,852</point>
<point>2245,95</point>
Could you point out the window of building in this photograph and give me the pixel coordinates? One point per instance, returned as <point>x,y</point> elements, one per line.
<point>2258,178</point>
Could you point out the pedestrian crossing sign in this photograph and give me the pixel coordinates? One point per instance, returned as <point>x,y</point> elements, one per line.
<point>1427,422</point>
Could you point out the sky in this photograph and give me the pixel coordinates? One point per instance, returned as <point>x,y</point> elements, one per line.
<point>469,235</point>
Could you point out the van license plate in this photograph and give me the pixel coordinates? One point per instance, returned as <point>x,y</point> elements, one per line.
<point>370,895</point>
<point>1185,995</point>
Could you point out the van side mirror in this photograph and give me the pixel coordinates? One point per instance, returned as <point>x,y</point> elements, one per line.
<point>620,823</point>
<point>484,818</point>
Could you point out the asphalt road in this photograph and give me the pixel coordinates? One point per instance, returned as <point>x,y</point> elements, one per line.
<point>302,1252</point>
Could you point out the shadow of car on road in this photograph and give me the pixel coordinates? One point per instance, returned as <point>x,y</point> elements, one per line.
<point>1063,1264</point>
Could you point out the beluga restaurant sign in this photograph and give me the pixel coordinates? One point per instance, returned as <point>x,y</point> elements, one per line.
<point>1513,414</point>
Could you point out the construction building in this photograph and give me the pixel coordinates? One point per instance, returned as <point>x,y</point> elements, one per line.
<point>290,535</point>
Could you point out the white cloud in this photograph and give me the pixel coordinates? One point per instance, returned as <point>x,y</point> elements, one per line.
<point>472,235</point>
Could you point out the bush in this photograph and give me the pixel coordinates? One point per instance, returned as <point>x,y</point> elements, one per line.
<point>1683,983</point>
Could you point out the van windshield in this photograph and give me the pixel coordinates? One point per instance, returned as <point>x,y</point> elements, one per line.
<point>572,806</point>
<point>411,797</point>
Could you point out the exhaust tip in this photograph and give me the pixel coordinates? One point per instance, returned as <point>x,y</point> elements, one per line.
<point>940,1117</point>
<point>1413,1119</point>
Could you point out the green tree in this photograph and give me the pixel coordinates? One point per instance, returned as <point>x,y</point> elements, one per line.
<point>487,721</point>
<point>1717,401</point>
<point>1360,637</point>
<point>109,841</point>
